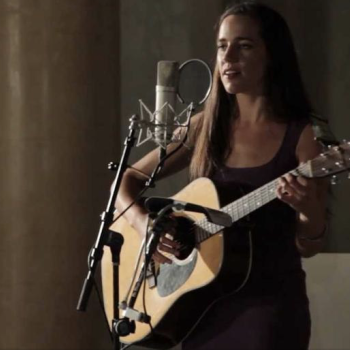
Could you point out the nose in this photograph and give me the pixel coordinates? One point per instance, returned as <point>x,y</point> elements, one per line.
<point>231,54</point>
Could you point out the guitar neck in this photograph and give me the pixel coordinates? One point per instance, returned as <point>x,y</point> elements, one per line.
<point>245,205</point>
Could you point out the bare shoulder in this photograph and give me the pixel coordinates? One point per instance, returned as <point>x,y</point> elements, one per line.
<point>308,147</point>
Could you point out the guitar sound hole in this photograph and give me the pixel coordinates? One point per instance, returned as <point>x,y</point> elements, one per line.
<point>185,235</point>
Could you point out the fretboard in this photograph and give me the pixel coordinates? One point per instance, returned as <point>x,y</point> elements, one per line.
<point>244,206</point>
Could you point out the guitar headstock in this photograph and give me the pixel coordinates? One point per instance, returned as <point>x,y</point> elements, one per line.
<point>334,161</point>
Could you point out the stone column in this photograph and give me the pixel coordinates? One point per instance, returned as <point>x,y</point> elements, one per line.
<point>58,129</point>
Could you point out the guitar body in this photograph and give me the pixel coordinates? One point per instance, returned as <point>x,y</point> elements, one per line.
<point>185,289</point>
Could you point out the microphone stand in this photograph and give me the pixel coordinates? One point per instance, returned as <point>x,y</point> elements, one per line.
<point>120,327</point>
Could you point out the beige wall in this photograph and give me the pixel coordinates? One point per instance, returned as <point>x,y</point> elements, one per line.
<point>328,288</point>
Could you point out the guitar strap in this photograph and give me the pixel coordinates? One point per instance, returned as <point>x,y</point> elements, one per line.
<point>322,131</point>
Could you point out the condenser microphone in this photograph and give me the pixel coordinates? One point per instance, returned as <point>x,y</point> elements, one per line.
<point>166,95</point>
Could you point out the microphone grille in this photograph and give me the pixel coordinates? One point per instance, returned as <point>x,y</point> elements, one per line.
<point>168,73</point>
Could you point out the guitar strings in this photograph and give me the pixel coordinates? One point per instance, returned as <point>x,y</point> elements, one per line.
<point>203,229</point>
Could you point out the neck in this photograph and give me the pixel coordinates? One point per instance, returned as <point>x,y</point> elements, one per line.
<point>252,108</point>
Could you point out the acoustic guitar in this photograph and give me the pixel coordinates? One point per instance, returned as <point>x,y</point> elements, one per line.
<point>179,294</point>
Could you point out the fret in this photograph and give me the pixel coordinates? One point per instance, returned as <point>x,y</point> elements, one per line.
<point>245,207</point>
<point>251,199</point>
<point>231,212</point>
<point>205,229</point>
<point>212,228</point>
<point>271,190</point>
<point>242,207</point>
<point>201,234</point>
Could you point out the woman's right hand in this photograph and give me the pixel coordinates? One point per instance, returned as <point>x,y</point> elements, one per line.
<point>166,246</point>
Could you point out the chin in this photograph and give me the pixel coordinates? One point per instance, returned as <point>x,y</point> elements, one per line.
<point>233,89</point>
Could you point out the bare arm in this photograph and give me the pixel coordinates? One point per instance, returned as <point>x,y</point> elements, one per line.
<point>133,181</point>
<point>308,197</point>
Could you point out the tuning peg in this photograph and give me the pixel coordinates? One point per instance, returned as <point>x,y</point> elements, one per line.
<point>339,164</point>
<point>334,180</point>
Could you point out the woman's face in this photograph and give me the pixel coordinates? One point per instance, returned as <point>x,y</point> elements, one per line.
<point>241,55</point>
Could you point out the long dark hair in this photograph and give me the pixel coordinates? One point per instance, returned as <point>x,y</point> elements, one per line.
<point>284,89</point>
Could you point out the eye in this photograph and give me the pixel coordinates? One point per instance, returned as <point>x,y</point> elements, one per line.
<point>221,46</point>
<point>245,46</point>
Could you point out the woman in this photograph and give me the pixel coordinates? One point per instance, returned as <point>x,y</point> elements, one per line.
<point>255,127</point>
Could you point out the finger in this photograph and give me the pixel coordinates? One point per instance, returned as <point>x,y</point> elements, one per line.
<point>289,199</point>
<point>169,242</point>
<point>160,258</point>
<point>279,191</point>
<point>299,183</point>
<point>167,249</point>
<point>303,181</point>
<point>286,194</point>
<point>292,188</point>
<point>282,193</point>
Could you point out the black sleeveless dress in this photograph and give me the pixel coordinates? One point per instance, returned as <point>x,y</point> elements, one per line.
<point>271,312</point>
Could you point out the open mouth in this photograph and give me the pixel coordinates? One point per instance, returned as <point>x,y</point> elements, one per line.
<point>231,73</point>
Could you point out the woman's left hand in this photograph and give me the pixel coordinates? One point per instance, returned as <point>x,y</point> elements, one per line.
<point>302,195</point>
